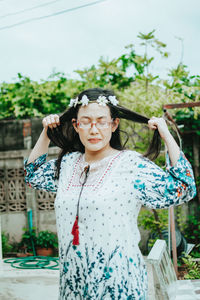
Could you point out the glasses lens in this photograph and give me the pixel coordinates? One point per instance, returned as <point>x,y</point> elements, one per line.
<point>99,124</point>
<point>84,125</point>
<point>102,125</point>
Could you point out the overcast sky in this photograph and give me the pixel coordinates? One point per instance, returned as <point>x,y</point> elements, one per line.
<point>77,39</point>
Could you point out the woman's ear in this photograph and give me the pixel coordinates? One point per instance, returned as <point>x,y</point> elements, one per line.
<point>74,123</point>
<point>115,124</point>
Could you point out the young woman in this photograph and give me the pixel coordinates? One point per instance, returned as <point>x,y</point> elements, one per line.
<point>100,189</point>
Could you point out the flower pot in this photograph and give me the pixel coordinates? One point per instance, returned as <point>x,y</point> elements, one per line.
<point>24,254</point>
<point>44,251</point>
<point>182,271</point>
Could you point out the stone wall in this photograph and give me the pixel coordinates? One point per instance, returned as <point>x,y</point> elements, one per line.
<point>15,133</point>
<point>16,197</point>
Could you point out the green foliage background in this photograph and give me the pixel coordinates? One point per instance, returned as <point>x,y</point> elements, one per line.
<point>128,75</point>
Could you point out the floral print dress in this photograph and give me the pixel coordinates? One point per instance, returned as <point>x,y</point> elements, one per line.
<point>107,263</point>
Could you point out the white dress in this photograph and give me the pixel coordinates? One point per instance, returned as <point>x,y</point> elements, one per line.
<point>107,263</point>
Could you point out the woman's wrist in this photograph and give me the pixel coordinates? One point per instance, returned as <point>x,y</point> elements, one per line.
<point>44,134</point>
<point>173,148</point>
<point>167,137</point>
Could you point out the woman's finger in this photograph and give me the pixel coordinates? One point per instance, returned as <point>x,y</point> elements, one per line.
<point>160,124</point>
<point>57,119</point>
<point>51,121</point>
<point>152,124</point>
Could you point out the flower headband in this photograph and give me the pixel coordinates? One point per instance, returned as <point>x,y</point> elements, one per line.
<point>101,100</point>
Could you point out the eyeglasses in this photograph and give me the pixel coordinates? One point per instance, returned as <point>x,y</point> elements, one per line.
<point>99,124</point>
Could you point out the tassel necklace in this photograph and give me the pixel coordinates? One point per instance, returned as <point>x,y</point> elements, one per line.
<point>75,228</point>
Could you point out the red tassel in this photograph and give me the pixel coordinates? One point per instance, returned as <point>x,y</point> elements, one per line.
<point>75,232</point>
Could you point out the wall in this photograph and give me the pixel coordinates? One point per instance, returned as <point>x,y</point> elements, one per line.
<point>16,140</point>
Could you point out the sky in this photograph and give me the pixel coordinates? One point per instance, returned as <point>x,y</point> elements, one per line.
<point>78,38</point>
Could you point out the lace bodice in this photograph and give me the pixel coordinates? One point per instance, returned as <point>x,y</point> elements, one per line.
<point>98,171</point>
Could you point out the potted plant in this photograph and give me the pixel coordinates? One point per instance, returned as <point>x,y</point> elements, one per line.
<point>46,242</point>
<point>27,243</point>
<point>6,247</point>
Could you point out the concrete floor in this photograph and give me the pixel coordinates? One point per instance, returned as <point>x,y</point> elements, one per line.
<point>17,284</point>
<point>20,284</point>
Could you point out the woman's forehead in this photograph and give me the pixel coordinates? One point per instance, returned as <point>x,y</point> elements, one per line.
<point>94,110</point>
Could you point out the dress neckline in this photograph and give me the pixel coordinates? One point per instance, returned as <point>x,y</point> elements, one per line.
<point>99,162</point>
<point>98,170</point>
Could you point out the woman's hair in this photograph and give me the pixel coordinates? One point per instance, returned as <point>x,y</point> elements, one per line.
<point>65,136</point>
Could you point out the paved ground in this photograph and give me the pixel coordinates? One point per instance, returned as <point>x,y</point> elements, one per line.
<point>188,290</point>
<point>17,284</point>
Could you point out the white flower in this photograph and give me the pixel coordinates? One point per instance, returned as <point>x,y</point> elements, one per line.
<point>84,101</point>
<point>102,100</point>
<point>113,100</point>
<point>73,102</point>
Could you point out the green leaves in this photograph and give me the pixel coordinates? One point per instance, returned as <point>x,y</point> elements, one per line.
<point>27,98</point>
<point>148,36</point>
<point>193,268</point>
<point>147,220</point>
<point>6,246</point>
<point>47,239</point>
<point>44,239</point>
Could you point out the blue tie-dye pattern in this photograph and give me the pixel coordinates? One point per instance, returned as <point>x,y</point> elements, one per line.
<point>159,189</point>
<point>141,166</point>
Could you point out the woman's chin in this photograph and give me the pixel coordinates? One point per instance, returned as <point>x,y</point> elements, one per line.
<point>94,147</point>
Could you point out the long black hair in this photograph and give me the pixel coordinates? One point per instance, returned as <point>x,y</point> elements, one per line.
<point>66,138</point>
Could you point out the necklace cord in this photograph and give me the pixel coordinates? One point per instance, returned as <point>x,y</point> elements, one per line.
<point>86,171</point>
<point>75,228</point>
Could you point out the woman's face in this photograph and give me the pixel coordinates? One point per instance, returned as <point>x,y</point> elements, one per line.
<point>95,127</point>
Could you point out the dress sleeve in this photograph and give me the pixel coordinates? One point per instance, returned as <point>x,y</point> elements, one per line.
<point>156,188</point>
<point>41,174</point>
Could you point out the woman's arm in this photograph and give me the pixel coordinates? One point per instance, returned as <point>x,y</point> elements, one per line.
<point>40,174</point>
<point>156,188</point>
<point>41,147</point>
<point>172,147</point>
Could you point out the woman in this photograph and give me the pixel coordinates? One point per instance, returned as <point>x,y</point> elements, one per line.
<point>100,189</point>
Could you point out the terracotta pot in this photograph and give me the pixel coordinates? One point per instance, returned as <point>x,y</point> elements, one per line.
<point>22,255</point>
<point>44,251</point>
<point>182,271</point>
<point>29,254</point>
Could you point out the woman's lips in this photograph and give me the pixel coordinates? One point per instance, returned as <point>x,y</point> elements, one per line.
<point>94,141</point>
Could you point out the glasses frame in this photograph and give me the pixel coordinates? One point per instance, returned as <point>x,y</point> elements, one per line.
<point>90,124</point>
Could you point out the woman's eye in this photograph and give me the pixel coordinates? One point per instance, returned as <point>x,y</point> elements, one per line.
<point>85,122</point>
<point>102,121</point>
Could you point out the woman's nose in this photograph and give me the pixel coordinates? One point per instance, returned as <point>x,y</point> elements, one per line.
<point>93,127</point>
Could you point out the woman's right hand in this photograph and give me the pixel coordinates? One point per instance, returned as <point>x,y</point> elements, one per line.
<point>51,121</point>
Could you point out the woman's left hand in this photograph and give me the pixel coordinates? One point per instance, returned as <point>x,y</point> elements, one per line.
<point>172,147</point>
<point>160,124</point>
